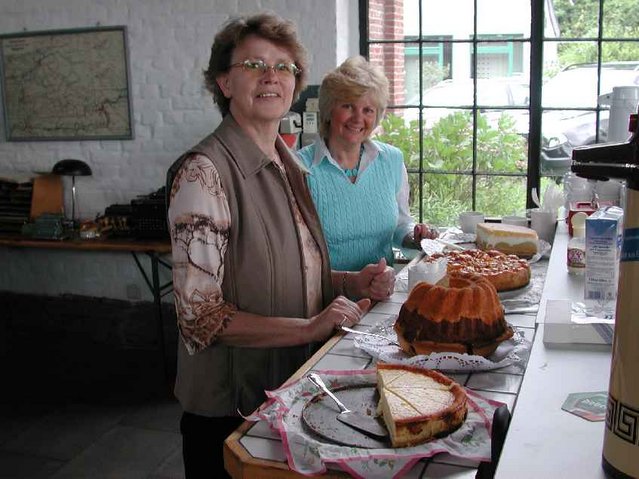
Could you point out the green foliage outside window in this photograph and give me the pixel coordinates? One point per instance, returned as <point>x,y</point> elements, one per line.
<point>448,162</point>
<point>581,20</point>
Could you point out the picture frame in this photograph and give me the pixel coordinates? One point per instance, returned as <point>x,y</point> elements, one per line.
<point>66,85</point>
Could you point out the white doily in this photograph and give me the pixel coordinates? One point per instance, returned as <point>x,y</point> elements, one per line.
<point>514,351</point>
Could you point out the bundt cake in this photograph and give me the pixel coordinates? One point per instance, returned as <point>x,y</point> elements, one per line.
<point>460,314</point>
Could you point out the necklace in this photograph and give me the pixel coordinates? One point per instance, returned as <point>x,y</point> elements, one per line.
<point>352,172</point>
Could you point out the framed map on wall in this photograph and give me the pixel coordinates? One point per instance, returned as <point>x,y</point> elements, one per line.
<point>66,85</point>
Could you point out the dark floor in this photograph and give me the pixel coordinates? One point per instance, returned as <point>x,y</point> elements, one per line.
<point>79,402</point>
<point>97,422</point>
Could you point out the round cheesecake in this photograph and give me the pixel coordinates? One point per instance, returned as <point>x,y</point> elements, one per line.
<point>417,404</point>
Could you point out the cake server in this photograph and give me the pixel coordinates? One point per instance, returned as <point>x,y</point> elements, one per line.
<point>373,335</point>
<point>366,424</point>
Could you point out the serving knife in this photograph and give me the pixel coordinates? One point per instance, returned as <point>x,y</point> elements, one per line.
<point>373,335</point>
<point>366,424</point>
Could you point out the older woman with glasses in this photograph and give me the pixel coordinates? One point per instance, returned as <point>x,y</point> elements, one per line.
<point>360,186</point>
<point>253,286</point>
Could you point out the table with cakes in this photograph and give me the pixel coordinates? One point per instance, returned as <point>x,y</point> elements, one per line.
<point>452,377</point>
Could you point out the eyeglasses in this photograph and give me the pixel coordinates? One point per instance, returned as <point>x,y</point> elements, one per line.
<point>281,69</point>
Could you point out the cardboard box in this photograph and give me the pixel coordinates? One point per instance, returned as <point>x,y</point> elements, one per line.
<point>586,207</point>
<point>48,195</point>
<point>563,326</point>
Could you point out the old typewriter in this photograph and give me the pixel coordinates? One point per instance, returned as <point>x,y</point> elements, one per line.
<point>148,216</point>
<point>143,218</point>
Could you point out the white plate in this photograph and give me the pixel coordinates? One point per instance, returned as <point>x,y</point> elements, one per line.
<point>513,293</point>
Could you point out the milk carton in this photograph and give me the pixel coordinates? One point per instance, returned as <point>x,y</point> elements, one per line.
<point>603,247</point>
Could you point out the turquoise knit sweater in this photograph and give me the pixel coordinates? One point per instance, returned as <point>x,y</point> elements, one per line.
<point>359,219</point>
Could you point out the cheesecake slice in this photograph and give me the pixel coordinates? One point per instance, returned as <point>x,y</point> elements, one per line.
<point>509,239</point>
<point>418,404</point>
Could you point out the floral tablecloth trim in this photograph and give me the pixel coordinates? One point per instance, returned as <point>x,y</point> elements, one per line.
<point>308,455</point>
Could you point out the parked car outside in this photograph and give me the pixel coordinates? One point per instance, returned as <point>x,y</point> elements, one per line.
<point>569,100</point>
<point>568,127</point>
<point>449,96</point>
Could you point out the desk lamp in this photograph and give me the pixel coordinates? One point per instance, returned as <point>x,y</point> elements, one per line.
<point>72,168</point>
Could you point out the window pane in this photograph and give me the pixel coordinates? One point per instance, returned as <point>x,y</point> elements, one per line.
<point>620,21</point>
<point>390,57</point>
<point>628,51</point>
<point>435,67</point>
<point>502,145</point>
<point>503,91</point>
<point>448,142</point>
<point>573,19</point>
<point>501,195</point>
<point>445,196</point>
<point>491,15</point>
<point>501,58</point>
<point>443,17</point>
<point>568,83</point>
<point>396,130</point>
<point>450,93</point>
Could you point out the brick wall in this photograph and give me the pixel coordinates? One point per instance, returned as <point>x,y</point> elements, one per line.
<point>169,44</point>
<point>386,21</point>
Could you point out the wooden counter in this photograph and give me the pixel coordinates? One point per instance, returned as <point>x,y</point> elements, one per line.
<point>100,244</point>
<point>254,451</point>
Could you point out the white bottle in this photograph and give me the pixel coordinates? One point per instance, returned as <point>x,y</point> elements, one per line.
<point>576,253</point>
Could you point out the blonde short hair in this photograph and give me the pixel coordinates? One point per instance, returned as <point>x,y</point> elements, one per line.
<point>354,78</point>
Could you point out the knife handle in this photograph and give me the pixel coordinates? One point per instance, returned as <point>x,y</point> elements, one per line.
<point>317,380</point>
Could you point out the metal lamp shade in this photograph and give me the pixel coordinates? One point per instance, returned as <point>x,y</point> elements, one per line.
<point>72,168</point>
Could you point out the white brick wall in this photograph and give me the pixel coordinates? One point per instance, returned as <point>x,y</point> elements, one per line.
<point>169,43</point>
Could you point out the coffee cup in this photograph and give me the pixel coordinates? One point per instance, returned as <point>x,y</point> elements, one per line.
<point>515,220</point>
<point>468,221</point>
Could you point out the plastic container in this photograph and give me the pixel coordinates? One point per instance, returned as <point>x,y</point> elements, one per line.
<point>623,102</point>
<point>576,252</point>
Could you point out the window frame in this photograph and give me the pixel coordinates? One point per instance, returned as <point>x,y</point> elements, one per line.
<point>537,41</point>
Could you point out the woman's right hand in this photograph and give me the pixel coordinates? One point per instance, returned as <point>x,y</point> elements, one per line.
<point>341,312</point>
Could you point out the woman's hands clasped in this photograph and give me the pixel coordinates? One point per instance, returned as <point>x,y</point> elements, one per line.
<point>375,281</point>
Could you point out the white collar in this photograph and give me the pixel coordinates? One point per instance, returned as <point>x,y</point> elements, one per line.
<point>371,150</point>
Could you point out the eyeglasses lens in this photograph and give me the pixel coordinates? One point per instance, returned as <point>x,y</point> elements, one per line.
<point>262,67</point>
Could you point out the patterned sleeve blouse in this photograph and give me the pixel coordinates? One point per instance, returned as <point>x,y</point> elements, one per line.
<point>200,221</point>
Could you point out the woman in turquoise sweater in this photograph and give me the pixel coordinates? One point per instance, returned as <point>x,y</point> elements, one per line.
<point>360,186</point>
